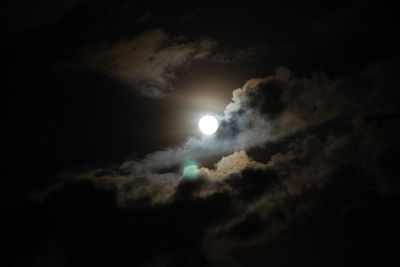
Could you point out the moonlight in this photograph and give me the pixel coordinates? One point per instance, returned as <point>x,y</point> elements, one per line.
<point>208,125</point>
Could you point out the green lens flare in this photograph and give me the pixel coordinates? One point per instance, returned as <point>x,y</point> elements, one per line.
<point>190,169</point>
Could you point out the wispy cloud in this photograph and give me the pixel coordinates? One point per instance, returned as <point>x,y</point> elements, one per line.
<point>148,62</point>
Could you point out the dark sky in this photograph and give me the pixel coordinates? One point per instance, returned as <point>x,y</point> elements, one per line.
<point>100,106</point>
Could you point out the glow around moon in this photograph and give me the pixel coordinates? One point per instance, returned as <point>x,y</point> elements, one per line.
<point>208,125</point>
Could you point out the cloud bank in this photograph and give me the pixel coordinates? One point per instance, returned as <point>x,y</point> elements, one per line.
<point>331,164</point>
<point>264,110</point>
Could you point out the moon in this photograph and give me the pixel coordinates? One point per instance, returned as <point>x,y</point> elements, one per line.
<point>208,125</point>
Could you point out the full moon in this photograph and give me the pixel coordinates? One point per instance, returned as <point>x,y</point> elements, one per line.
<point>208,125</point>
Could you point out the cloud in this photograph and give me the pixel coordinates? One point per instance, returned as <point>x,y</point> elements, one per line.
<point>148,62</point>
<point>230,165</point>
<point>331,166</point>
<point>308,116</point>
<point>263,110</point>
<point>239,203</point>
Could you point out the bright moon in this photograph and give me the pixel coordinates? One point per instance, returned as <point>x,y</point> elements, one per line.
<point>208,125</point>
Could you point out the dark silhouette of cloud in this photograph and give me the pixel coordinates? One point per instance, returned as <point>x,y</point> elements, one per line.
<point>305,169</point>
<point>149,62</point>
<point>324,173</point>
<point>252,183</point>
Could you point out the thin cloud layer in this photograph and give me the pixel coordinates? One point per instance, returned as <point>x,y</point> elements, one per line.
<point>148,62</point>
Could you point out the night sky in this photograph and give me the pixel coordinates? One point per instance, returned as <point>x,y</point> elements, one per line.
<point>104,163</point>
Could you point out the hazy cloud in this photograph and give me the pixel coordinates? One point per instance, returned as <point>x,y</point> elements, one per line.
<point>147,62</point>
<point>263,110</point>
<point>328,146</point>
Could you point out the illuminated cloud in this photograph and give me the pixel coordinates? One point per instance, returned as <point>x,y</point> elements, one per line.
<point>303,170</point>
<point>148,62</point>
<point>263,110</point>
<point>325,146</point>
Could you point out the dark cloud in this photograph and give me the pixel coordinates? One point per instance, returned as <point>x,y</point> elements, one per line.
<point>149,62</point>
<point>267,98</point>
<point>305,169</point>
<point>251,226</point>
<point>268,109</point>
<point>229,128</point>
<point>250,184</point>
<point>314,197</point>
<point>307,192</point>
<point>314,194</point>
<point>95,231</point>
